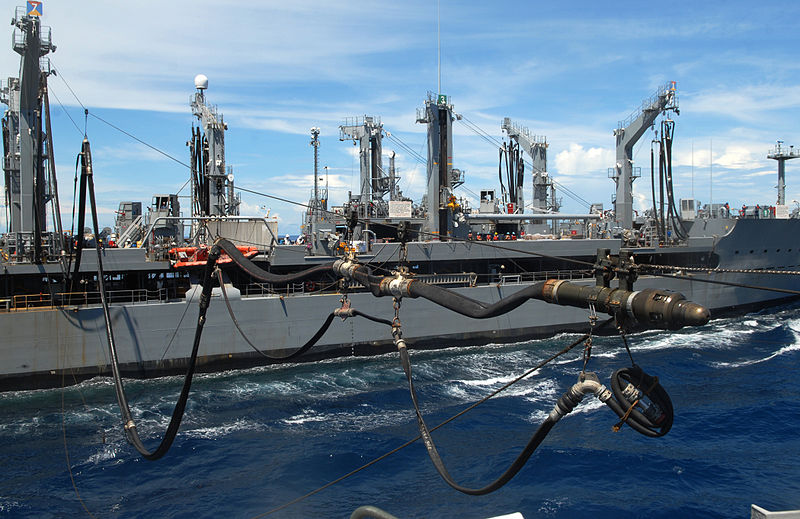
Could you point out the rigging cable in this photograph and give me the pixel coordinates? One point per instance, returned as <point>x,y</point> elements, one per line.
<point>487,244</point>
<point>461,413</point>
<point>726,283</point>
<point>205,299</point>
<point>654,421</point>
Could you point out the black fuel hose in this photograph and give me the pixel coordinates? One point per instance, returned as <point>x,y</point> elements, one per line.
<point>504,478</point>
<point>302,349</point>
<point>471,307</point>
<point>364,275</point>
<point>372,318</point>
<point>81,213</point>
<point>656,419</point>
<point>180,406</point>
<point>262,275</point>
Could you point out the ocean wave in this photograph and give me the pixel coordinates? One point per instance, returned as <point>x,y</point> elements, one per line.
<point>224,429</point>
<point>364,417</point>
<point>782,351</point>
<point>8,505</point>
<point>588,405</point>
<point>107,452</point>
<point>471,390</point>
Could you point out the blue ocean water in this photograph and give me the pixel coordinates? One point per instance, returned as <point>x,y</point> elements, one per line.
<point>254,440</point>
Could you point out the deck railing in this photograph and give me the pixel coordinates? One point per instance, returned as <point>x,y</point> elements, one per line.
<point>79,299</point>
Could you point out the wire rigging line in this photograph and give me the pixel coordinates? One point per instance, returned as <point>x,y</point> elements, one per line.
<point>494,142</point>
<point>87,112</point>
<point>461,413</point>
<point>408,149</point>
<point>137,139</point>
<point>58,73</point>
<point>572,194</point>
<point>432,234</point>
<point>64,109</point>
<point>481,132</point>
<point>727,283</point>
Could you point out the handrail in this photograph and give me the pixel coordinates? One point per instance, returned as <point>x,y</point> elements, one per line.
<point>59,299</point>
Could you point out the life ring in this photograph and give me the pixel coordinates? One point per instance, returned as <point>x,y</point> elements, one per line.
<point>309,286</point>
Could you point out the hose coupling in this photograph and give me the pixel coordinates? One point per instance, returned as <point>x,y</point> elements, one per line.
<point>399,342</point>
<point>396,286</point>
<point>343,312</point>
<point>587,383</point>
<point>344,268</point>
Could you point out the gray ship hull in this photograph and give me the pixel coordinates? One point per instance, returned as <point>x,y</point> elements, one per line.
<point>51,346</point>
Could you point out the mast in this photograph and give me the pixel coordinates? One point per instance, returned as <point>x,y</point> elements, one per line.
<point>367,132</point>
<point>438,115</point>
<point>536,148</point>
<point>213,181</point>
<point>628,133</point>
<point>782,154</point>
<point>29,172</point>
<point>315,206</point>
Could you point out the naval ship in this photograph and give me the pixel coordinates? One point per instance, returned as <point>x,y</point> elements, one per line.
<point>52,317</point>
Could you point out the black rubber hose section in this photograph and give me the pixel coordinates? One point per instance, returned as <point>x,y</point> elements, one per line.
<point>649,385</point>
<point>372,318</point>
<point>515,467</point>
<point>180,406</point>
<point>302,349</point>
<point>470,307</point>
<point>653,190</point>
<point>364,276</point>
<point>268,277</point>
<point>81,215</point>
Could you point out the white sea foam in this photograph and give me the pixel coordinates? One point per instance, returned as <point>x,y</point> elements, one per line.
<point>106,453</point>
<point>793,324</point>
<point>306,416</point>
<point>7,504</point>
<point>553,506</point>
<point>361,418</point>
<point>219,431</point>
<point>589,405</point>
<point>786,349</point>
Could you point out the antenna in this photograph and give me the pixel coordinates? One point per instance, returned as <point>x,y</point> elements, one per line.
<point>711,172</point>
<point>693,169</point>
<point>439,43</point>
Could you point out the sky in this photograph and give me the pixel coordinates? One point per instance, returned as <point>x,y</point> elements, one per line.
<point>566,70</point>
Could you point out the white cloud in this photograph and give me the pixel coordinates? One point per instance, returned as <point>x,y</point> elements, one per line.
<point>745,102</point>
<point>576,160</point>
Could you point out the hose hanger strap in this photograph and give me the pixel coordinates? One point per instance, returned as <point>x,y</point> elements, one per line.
<point>629,303</point>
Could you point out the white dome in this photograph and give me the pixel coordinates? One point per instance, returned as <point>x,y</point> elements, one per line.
<point>201,81</point>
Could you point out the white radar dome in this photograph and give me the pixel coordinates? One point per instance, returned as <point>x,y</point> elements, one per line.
<point>201,81</point>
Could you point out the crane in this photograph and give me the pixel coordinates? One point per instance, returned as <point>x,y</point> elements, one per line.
<point>628,133</point>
